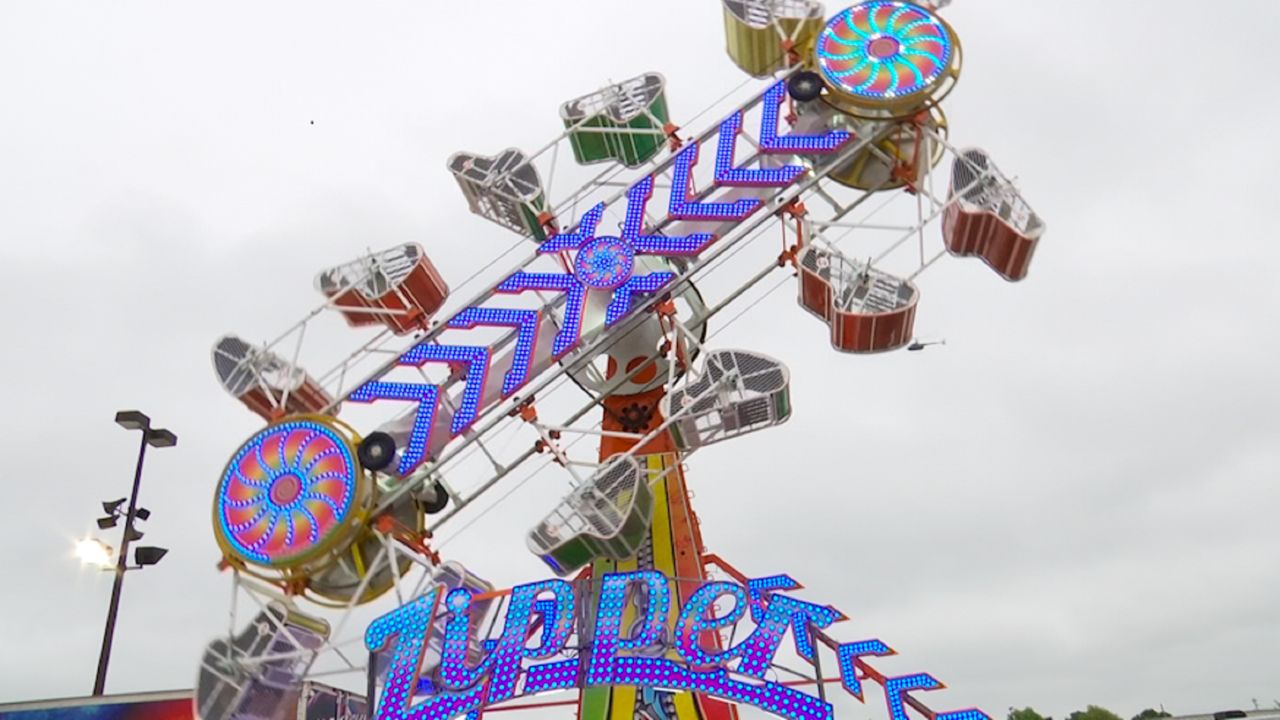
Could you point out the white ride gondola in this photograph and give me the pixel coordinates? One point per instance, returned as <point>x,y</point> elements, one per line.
<point>988,217</point>
<point>868,310</point>
<point>398,288</point>
<point>606,517</point>
<point>265,382</point>
<point>505,189</point>
<point>258,675</point>
<point>738,392</point>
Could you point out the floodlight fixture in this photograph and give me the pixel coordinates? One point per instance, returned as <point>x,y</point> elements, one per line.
<point>132,420</point>
<point>112,507</point>
<point>106,523</point>
<point>142,513</point>
<point>161,438</point>
<point>148,555</point>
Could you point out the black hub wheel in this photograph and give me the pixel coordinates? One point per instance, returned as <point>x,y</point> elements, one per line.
<point>439,503</point>
<point>805,86</point>
<point>376,451</point>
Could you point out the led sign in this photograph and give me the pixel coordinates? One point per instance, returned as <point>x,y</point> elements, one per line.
<point>603,263</point>
<point>554,638</point>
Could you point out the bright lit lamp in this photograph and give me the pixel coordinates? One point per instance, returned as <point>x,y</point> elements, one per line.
<point>95,553</point>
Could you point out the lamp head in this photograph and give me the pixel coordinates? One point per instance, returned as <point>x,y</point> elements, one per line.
<point>95,553</point>
<point>132,420</point>
<point>161,438</point>
<point>147,555</point>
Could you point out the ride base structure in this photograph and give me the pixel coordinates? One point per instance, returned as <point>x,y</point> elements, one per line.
<point>336,502</point>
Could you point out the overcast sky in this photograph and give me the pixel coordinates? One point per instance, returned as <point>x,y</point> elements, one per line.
<point>1072,502</point>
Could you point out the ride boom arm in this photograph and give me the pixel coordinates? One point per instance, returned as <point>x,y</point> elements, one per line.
<point>485,375</point>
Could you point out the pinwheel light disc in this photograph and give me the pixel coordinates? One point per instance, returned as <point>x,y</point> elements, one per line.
<point>884,50</point>
<point>288,494</point>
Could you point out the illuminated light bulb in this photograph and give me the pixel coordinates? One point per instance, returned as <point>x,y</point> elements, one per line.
<point>95,553</point>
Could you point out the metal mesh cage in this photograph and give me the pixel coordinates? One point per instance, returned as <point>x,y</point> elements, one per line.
<point>982,186</point>
<point>755,31</point>
<point>737,392</point>
<point>856,287</point>
<point>621,102</point>
<point>240,367</point>
<point>373,275</point>
<point>607,516</point>
<point>505,188</point>
<point>760,13</point>
<point>625,122</point>
<point>232,685</point>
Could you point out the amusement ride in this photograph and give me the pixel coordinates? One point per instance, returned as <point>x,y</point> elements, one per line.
<point>609,311</point>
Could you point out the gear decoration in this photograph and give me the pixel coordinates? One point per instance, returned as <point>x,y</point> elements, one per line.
<point>635,417</point>
<point>288,494</point>
<point>882,51</point>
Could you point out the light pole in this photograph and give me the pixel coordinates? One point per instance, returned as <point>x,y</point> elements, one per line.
<point>158,437</point>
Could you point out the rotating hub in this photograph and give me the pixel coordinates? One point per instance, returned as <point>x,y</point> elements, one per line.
<point>887,55</point>
<point>291,493</point>
<point>604,263</point>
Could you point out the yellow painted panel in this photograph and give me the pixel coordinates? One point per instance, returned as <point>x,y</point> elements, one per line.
<point>624,703</point>
<point>686,708</point>
<point>664,557</point>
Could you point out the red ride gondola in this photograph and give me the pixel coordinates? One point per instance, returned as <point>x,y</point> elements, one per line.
<point>867,310</point>
<point>265,382</point>
<point>399,288</point>
<point>988,218</point>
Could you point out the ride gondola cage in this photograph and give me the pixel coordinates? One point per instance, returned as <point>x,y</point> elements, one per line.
<point>228,688</point>
<point>987,217</point>
<point>737,392</point>
<point>625,122</point>
<point>266,383</point>
<point>607,516</point>
<point>505,189</point>
<point>868,310</point>
<point>399,288</point>
<point>761,34</point>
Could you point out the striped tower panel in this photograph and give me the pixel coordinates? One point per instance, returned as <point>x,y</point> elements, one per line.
<point>674,548</point>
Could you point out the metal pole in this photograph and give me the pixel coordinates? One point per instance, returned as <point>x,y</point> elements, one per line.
<point>817,669</point>
<point>105,656</point>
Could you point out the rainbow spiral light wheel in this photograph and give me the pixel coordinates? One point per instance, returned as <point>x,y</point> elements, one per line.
<point>604,263</point>
<point>291,493</point>
<point>886,54</point>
